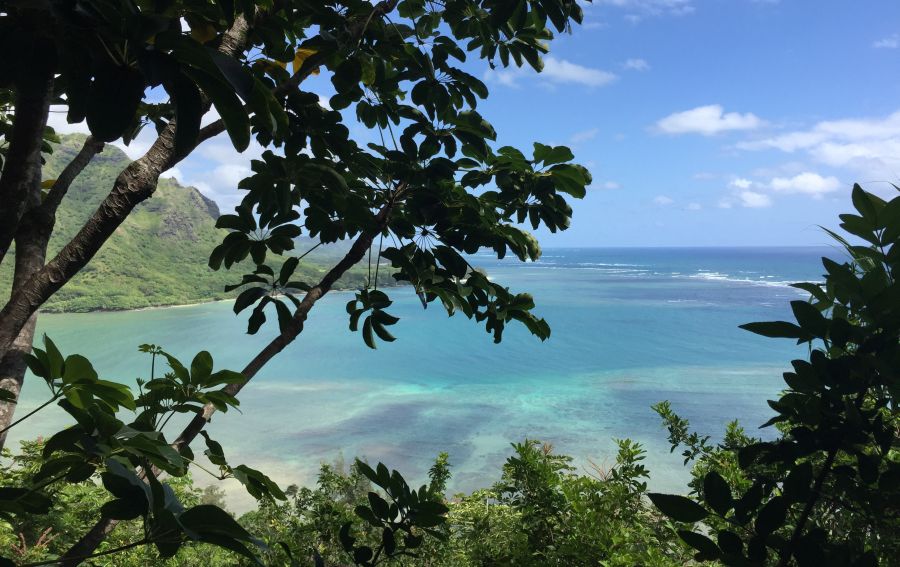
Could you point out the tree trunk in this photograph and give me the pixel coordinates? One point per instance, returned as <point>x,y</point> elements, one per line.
<point>22,169</point>
<point>31,250</point>
<point>32,238</point>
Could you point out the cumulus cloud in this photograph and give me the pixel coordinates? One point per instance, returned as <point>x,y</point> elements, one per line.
<point>807,182</point>
<point>871,145</point>
<point>708,121</point>
<point>740,183</point>
<point>662,200</point>
<point>890,42</point>
<point>562,71</point>
<point>636,64</point>
<point>754,200</point>
<point>756,194</point>
<point>556,71</point>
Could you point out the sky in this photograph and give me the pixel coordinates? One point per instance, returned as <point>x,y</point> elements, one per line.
<point>703,122</point>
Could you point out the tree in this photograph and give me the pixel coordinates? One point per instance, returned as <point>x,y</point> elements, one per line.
<point>826,490</point>
<point>437,188</point>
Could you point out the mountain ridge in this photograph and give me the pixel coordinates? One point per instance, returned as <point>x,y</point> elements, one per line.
<point>157,257</point>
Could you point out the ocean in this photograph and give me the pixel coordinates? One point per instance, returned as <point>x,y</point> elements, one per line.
<point>630,327</point>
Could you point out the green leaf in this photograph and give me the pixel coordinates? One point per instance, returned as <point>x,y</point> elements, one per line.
<point>772,515</point>
<point>237,123</point>
<point>188,112</point>
<point>866,205</point>
<point>367,333</point>
<point>797,482</point>
<point>708,550</point>
<point>248,297</point>
<point>201,367</point>
<point>113,101</point>
<point>549,155</point>
<point>717,493</point>
<point>214,451</point>
<point>810,319</point>
<point>124,508</point>
<point>54,358</point>
<point>679,508</point>
<point>775,329</point>
<point>78,368</point>
<point>287,270</point>
<point>258,485</point>
<point>208,519</point>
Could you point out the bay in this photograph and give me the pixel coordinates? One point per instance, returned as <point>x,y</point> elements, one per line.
<point>631,327</point>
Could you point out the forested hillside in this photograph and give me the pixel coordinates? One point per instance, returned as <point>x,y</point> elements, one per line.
<point>159,254</point>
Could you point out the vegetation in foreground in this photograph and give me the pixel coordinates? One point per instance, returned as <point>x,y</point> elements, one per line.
<point>824,492</point>
<point>437,187</point>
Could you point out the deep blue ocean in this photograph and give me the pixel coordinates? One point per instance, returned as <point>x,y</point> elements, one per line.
<point>630,327</point>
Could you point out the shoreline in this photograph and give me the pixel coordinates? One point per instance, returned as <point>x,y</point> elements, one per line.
<point>176,305</point>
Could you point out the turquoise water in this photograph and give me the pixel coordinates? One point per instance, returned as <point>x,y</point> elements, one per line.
<point>631,327</point>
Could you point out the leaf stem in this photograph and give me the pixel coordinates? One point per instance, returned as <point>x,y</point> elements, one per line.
<point>125,547</point>
<point>29,414</point>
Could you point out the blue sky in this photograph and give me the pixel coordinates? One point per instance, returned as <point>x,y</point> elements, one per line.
<point>704,122</point>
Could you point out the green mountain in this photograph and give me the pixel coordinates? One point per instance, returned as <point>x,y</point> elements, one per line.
<point>157,257</point>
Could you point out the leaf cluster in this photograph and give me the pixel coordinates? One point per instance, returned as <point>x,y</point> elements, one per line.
<point>825,491</point>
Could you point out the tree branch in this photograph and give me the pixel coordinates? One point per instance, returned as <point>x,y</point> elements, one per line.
<point>134,184</point>
<point>89,149</point>
<point>89,542</point>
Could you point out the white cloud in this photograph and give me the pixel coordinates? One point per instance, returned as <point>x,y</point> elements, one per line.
<point>57,120</point>
<point>870,145</point>
<point>740,183</point>
<point>636,64</point>
<point>754,200</point>
<point>609,185</point>
<point>175,174</point>
<point>890,42</point>
<point>808,183</point>
<point>584,136</point>
<point>229,175</point>
<point>707,120</point>
<point>694,207</point>
<point>663,200</point>
<point>639,8</point>
<point>556,71</point>
<point>562,71</point>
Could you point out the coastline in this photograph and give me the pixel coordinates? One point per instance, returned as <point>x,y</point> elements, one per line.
<point>177,305</point>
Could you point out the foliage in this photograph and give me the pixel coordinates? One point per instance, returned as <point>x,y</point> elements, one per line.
<point>128,458</point>
<point>827,490</point>
<point>440,191</point>
<point>76,505</point>
<point>159,255</point>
